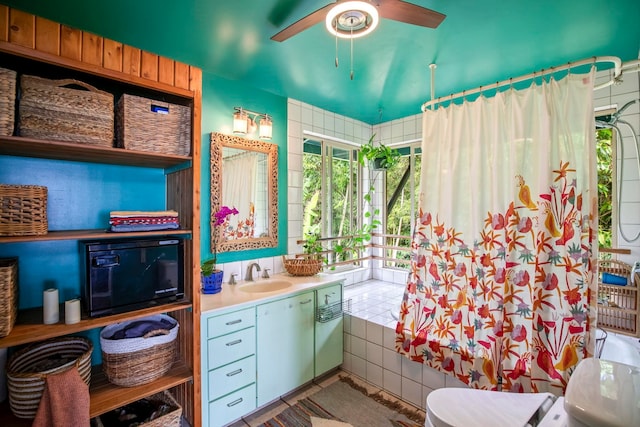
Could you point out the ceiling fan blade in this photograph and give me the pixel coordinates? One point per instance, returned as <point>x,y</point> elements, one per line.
<point>302,24</point>
<point>281,11</point>
<point>410,13</point>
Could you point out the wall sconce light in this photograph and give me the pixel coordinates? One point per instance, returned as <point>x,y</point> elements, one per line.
<point>244,122</point>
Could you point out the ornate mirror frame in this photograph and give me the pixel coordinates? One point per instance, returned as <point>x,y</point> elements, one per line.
<point>218,141</point>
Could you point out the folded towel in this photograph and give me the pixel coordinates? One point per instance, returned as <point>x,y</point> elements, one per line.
<point>144,227</point>
<point>614,279</point>
<point>65,401</point>
<point>142,213</point>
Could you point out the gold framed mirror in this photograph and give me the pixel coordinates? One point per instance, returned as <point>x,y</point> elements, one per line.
<point>244,175</point>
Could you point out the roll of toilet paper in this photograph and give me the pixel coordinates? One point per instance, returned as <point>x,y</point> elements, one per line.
<point>72,311</point>
<point>50,308</point>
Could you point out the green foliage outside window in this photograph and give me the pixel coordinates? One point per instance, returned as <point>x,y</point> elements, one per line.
<point>605,186</point>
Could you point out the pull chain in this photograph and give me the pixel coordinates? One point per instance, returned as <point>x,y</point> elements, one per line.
<point>351,73</point>
<point>336,43</point>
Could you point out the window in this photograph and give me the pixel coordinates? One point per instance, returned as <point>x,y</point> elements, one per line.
<point>606,150</point>
<point>330,192</point>
<point>401,198</point>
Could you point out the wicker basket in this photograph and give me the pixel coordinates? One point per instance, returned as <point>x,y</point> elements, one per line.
<point>7,101</point>
<point>147,125</point>
<point>170,419</point>
<point>129,362</point>
<point>302,266</point>
<point>48,109</point>
<point>23,210</point>
<point>8,294</point>
<point>28,368</point>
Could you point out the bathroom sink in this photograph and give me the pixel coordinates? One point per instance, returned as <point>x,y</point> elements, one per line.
<point>265,286</point>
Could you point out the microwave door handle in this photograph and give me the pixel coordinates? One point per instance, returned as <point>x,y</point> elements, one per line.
<point>106,261</point>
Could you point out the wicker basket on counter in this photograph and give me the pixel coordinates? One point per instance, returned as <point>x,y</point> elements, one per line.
<point>129,362</point>
<point>28,368</point>
<point>7,101</point>
<point>8,294</point>
<point>148,125</point>
<point>54,109</point>
<point>302,266</point>
<point>23,210</point>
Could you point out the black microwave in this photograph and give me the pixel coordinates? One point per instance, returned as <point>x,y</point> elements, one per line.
<point>125,275</point>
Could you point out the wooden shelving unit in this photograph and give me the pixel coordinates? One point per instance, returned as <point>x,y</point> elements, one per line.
<point>34,44</point>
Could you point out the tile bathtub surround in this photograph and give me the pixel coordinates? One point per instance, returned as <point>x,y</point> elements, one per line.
<point>369,345</point>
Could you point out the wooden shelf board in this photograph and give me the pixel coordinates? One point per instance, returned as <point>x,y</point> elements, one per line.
<point>619,309</point>
<point>106,396</point>
<point>90,234</point>
<point>30,326</point>
<point>30,147</point>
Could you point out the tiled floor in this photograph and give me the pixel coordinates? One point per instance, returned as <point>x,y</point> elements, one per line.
<point>268,412</point>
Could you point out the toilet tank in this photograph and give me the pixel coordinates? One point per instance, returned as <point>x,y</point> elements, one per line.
<point>603,393</point>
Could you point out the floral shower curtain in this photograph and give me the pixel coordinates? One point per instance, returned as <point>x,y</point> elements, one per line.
<point>503,273</point>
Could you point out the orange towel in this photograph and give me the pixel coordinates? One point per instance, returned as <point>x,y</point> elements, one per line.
<point>65,401</point>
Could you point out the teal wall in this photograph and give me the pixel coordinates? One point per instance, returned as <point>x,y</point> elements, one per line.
<point>219,96</point>
<point>80,196</point>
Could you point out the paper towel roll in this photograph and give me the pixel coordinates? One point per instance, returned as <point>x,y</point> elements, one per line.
<point>72,311</point>
<point>50,308</point>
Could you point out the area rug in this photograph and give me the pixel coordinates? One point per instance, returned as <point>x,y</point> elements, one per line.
<point>345,401</point>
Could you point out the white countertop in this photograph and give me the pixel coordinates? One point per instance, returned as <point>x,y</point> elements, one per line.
<point>232,297</point>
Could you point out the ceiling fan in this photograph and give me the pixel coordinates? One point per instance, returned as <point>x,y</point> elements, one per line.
<point>350,19</point>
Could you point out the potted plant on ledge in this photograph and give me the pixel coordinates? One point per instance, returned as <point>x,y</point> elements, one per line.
<point>210,276</point>
<point>380,157</point>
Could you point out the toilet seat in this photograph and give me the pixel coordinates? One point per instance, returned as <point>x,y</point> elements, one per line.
<point>473,407</point>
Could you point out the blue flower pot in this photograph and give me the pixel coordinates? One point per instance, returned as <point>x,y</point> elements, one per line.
<point>212,284</point>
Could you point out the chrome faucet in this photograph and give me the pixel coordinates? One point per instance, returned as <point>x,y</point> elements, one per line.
<point>249,275</point>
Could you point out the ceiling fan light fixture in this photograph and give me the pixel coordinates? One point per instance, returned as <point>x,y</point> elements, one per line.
<point>352,19</point>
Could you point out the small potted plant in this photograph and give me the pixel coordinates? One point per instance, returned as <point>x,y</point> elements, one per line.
<point>380,157</point>
<point>211,277</point>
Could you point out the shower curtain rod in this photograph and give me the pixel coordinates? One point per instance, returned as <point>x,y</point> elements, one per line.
<point>544,72</point>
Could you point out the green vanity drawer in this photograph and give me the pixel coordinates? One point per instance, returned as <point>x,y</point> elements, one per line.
<point>232,406</point>
<point>231,377</point>
<point>230,322</point>
<point>229,348</point>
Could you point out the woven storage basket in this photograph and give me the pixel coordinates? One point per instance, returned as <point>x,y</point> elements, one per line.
<point>302,266</point>
<point>28,368</point>
<point>7,101</point>
<point>48,109</point>
<point>8,294</point>
<point>171,419</point>
<point>147,125</point>
<point>130,362</point>
<point>23,210</point>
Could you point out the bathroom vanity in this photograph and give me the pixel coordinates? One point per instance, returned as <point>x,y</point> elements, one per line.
<point>263,339</point>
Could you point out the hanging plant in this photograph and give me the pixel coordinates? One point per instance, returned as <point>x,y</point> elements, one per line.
<point>379,157</point>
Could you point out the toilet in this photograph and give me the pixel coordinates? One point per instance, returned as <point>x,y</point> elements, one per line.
<point>600,393</point>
